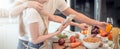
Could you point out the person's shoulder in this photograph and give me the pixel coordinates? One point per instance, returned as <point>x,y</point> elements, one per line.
<point>59,0</point>
<point>22,0</point>
<point>31,10</point>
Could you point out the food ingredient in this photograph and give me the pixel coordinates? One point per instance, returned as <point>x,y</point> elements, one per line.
<point>72,39</point>
<point>84,32</point>
<point>108,28</point>
<point>61,41</point>
<point>77,35</point>
<point>62,35</point>
<point>76,44</point>
<point>95,30</point>
<point>91,39</point>
<point>110,36</point>
<point>103,33</point>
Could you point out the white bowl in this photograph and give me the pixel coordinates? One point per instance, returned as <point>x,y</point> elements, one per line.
<point>91,45</point>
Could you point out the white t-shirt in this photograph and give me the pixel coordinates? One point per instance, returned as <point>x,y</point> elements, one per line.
<point>30,15</point>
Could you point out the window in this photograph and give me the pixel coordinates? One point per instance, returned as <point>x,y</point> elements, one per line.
<point>8,31</point>
<point>5,4</point>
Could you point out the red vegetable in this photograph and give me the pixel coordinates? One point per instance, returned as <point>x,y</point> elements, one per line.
<point>61,41</point>
<point>72,39</point>
<point>76,44</point>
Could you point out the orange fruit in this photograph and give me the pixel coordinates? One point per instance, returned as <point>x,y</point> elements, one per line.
<point>84,32</point>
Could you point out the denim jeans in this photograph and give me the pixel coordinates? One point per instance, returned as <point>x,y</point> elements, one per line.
<point>34,46</point>
<point>28,45</point>
<point>20,44</point>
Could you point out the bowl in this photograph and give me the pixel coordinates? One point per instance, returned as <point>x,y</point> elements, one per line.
<point>91,45</point>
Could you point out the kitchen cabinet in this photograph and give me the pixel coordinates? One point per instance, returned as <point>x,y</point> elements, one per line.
<point>8,34</point>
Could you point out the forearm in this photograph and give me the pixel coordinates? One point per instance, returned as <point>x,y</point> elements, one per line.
<point>83,18</point>
<point>17,9</point>
<point>60,20</point>
<point>80,17</point>
<point>42,38</point>
<point>74,24</point>
<point>52,17</point>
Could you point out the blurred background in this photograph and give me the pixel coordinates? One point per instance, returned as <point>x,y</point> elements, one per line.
<point>95,9</point>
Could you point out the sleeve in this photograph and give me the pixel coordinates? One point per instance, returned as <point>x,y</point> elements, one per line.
<point>62,5</point>
<point>22,0</point>
<point>31,16</point>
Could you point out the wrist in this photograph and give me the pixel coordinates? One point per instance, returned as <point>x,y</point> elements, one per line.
<point>74,24</point>
<point>57,32</point>
<point>97,23</point>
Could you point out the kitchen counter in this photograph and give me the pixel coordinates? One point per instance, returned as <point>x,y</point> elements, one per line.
<point>57,46</point>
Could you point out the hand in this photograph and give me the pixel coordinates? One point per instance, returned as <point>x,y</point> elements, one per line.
<point>83,26</point>
<point>63,26</point>
<point>34,4</point>
<point>102,25</point>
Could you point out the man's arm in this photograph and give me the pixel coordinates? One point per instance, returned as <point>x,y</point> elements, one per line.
<point>80,17</point>
<point>21,6</point>
<point>17,6</point>
<point>59,19</point>
<point>83,18</point>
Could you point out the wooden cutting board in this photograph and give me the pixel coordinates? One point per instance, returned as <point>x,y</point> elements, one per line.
<point>57,46</point>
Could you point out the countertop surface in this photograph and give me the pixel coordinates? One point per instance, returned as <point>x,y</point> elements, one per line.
<point>57,46</point>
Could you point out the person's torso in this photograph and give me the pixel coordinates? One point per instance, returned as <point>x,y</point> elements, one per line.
<point>50,7</point>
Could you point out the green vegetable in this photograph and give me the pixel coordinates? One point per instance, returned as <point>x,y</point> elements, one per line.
<point>62,36</point>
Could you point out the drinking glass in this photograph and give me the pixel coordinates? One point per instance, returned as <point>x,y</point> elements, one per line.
<point>110,20</point>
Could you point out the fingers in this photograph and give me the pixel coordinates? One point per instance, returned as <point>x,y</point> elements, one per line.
<point>84,26</point>
<point>39,5</point>
<point>102,25</point>
<point>63,26</point>
<point>34,4</point>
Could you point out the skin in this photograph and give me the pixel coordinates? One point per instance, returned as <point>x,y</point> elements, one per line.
<point>19,7</point>
<point>36,38</point>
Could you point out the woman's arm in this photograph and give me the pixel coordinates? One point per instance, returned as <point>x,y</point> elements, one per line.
<point>20,6</point>
<point>59,19</point>
<point>36,38</point>
<point>33,22</point>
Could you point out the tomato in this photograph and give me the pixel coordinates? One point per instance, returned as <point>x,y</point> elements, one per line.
<point>110,36</point>
<point>72,39</point>
<point>103,33</point>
